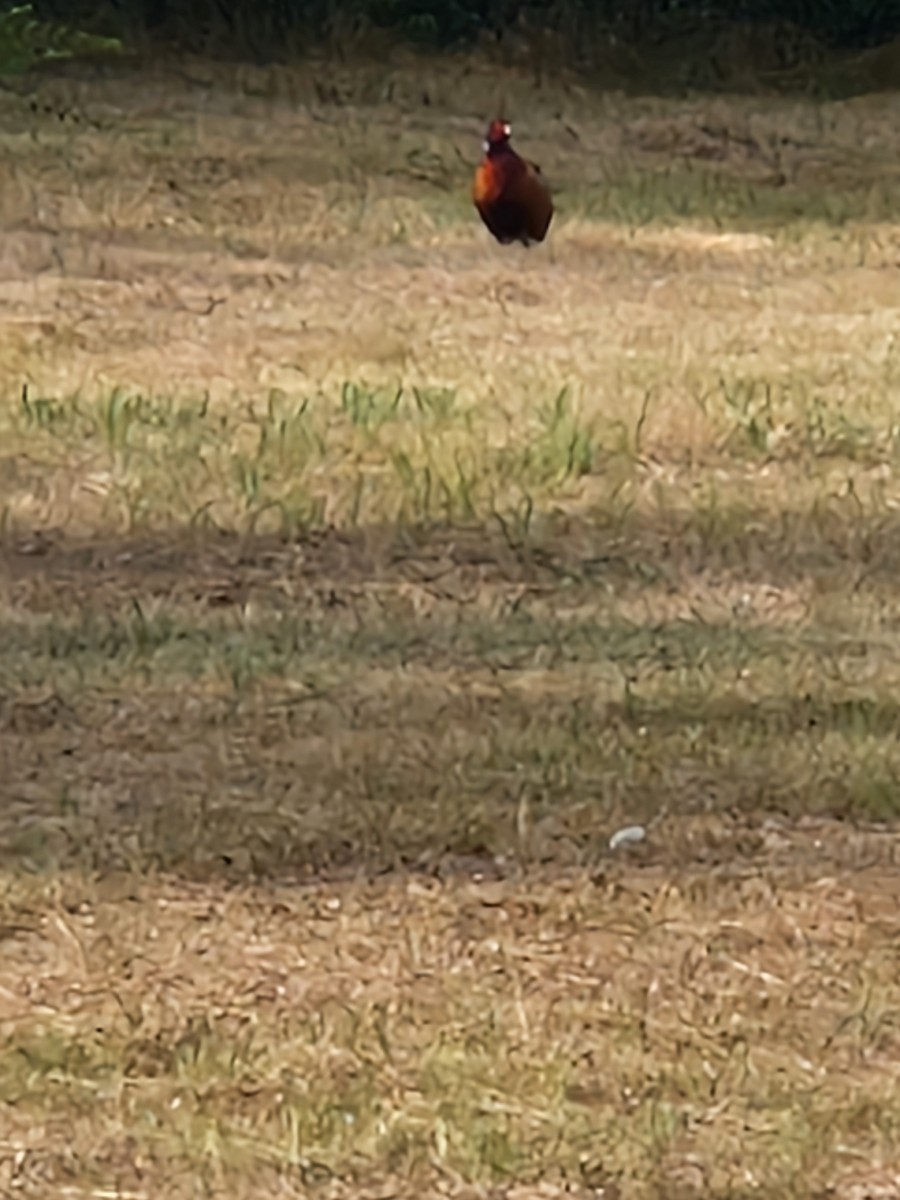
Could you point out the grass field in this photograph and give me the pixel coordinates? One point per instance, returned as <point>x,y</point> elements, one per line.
<point>360,578</point>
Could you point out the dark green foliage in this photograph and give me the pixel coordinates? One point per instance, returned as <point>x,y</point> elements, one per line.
<point>26,38</point>
<point>442,23</point>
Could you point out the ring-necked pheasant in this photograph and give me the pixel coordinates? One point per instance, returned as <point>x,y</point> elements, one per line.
<point>510,193</point>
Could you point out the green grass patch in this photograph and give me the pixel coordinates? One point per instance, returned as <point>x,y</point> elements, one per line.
<point>26,41</point>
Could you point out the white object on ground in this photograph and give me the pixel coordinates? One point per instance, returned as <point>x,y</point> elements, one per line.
<point>629,836</point>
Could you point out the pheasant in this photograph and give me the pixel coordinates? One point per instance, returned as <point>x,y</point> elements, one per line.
<point>509,192</point>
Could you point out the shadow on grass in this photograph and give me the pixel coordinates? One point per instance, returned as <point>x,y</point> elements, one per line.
<point>388,698</point>
<point>631,549</point>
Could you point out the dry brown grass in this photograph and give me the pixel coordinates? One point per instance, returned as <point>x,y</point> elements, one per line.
<point>360,579</point>
<point>720,1032</point>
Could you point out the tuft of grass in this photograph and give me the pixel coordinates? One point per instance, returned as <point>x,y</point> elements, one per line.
<point>405,453</point>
